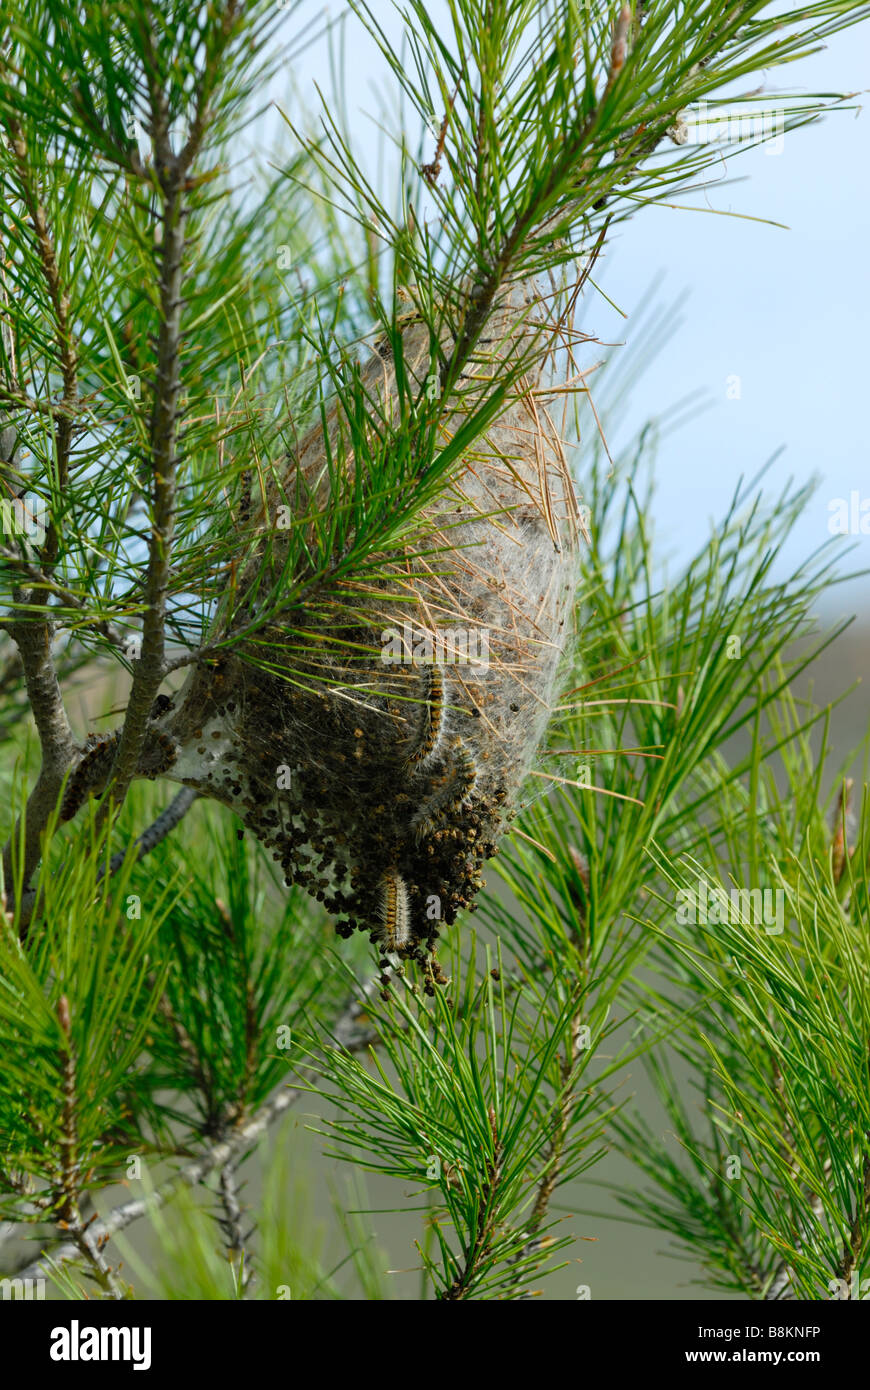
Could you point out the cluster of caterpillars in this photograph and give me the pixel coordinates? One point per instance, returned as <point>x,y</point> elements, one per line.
<point>384,818</point>
<point>91,772</point>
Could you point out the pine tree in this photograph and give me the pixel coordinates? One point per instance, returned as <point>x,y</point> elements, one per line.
<point>288,470</point>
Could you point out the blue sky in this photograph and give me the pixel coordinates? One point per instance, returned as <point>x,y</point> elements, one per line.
<point>785,311</point>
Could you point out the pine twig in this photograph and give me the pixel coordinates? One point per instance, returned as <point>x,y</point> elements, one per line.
<point>463,1283</point>
<point>60,306</point>
<point>232,1225</point>
<point>70,1218</point>
<point>56,738</point>
<point>153,834</point>
<point>38,579</point>
<point>216,1156</point>
<point>858,1226</point>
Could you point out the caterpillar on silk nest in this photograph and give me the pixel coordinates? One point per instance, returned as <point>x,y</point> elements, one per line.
<point>394,930</point>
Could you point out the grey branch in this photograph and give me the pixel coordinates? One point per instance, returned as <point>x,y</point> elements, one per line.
<point>232,1224</point>
<point>215,1157</point>
<point>56,739</point>
<point>347,1033</point>
<point>173,169</point>
<point>158,829</point>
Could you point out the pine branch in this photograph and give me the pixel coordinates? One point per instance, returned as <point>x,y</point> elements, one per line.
<point>159,828</point>
<point>858,1229</point>
<point>216,1156</point>
<point>149,670</point>
<point>38,579</point>
<point>232,1224</point>
<point>487,1197</point>
<point>556,1146</point>
<point>10,673</point>
<point>57,743</point>
<point>60,303</point>
<point>173,170</point>
<point>152,836</point>
<point>69,1216</point>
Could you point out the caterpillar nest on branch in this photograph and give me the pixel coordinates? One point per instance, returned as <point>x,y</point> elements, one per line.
<point>387,741</point>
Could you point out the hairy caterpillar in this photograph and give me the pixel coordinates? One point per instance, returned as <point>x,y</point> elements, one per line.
<point>158,755</point>
<point>451,790</point>
<point>394,930</point>
<point>91,773</point>
<point>432,723</point>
